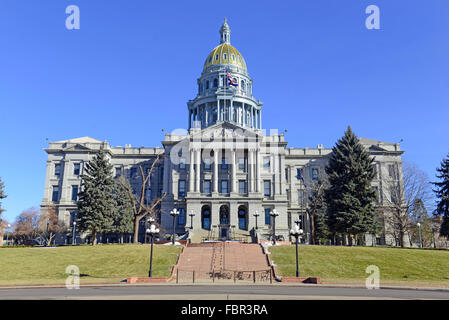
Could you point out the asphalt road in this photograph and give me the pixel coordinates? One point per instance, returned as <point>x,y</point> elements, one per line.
<point>217,292</point>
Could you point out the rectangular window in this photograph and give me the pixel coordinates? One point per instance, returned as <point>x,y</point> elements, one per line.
<point>206,186</point>
<point>182,217</point>
<point>224,163</point>
<point>376,190</point>
<point>375,170</point>
<point>118,172</point>
<point>288,194</point>
<point>242,164</point>
<point>299,174</point>
<point>242,186</point>
<point>181,188</point>
<point>74,193</point>
<point>133,172</point>
<point>55,194</point>
<point>224,186</point>
<point>76,169</point>
<point>267,216</point>
<point>314,174</point>
<point>266,162</point>
<point>267,188</point>
<point>286,174</point>
<point>182,163</point>
<point>300,197</point>
<point>207,165</point>
<point>391,170</point>
<point>57,169</point>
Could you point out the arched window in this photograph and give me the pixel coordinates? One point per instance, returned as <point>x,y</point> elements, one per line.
<point>242,218</point>
<point>215,82</point>
<point>216,57</point>
<point>207,84</point>
<point>224,215</point>
<point>243,85</point>
<point>225,56</point>
<point>205,218</point>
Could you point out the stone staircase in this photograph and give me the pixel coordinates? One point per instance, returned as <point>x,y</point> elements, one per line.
<point>222,260</point>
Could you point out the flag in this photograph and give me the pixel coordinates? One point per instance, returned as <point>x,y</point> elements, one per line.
<point>232,81</point>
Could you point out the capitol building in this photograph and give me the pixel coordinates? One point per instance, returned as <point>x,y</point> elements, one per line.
<point>224,173</point>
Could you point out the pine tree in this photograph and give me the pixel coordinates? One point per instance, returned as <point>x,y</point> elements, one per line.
<point>96,203</point>
<point>442,193</point>
<point>350,197</point>
<point>123,214</point>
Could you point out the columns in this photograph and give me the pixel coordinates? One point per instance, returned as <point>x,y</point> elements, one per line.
<point>250,170</point>
<point>234,182</point>
<point>191,176</point>
<point>198,169</point>
<point>218,111</point>
<point>215,171</point>
<point>165,177</point>
<point>283,181</point>
<point>257,183</point>
<point>260,119</point>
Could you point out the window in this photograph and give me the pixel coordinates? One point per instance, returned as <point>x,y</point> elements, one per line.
<point>286,174</point>
<point>242,163</point>
<point>57,169</point>
<point>205,218</point>
<point>242,218</point>
<point>74,193</point>
<point>314,174</point>
<point>232,57</point>
<point>182,217</point>
<point>225,56</point>
<point>267,216</point>
<point>182,163</point>
<point>216,57</point>
<point>210,59</point>
<point>207,84</point>
<point>224,163</point>
<point>133,172</point>
<point>391,171</point>
<point>55,194</point>
<point>181,188</point>
<point>207,164</point>
<point>299,174</point>
<point>267,188</point>
<point>266,162</point>
<point>288,194</point>
<point>215,82</point>
<point>224,186</point>
<point>206,186</point>
<point>242,186</point>
<point>375,170</point>
<point>118,172</point>
<point>76,169</point>
<point>376,190</point>
<point>301,197</point>
<point>243,85</point>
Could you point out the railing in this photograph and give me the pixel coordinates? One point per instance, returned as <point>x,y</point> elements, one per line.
<point>233,275</point>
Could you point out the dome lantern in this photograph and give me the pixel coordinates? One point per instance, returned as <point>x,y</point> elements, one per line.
<point>225,33</point>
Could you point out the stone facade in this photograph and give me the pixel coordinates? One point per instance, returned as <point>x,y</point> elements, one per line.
<point>223,169</point>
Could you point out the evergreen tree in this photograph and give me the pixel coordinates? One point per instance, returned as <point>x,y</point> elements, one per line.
<point>442,193</point>
<point>350,197</point>
<point>96,205</point>
<point>123,214</point>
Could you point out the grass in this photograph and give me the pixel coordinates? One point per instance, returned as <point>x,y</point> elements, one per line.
<point>348,264</point>
<point>101,263</point>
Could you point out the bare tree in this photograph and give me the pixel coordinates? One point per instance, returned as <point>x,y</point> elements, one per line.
<point>400,195</point>
<point>55,226</point>
<point>315,191</point>
<point>140,207</point>
<point>26,226</point>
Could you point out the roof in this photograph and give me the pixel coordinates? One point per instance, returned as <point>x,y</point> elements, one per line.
<point>80,140</point>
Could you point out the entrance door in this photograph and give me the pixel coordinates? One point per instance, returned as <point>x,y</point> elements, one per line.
<point>224,233</point>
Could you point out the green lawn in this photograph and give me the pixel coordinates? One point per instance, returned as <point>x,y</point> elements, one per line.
<point>101,263</point>
<point>348,264</point>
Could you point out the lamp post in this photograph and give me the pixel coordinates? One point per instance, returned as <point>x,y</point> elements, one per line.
<point>73,235</point>
<point>433,236</point>
<point>151,231</point>
<point>256,214</point>
<point>274,214</point>
<point>174,213</point>
<point>296,232</point>
<point>191,219</point>
<point>46,234</point>
<point>419,232</point>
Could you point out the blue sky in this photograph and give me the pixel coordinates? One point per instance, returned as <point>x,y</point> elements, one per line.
<point>129,71</point>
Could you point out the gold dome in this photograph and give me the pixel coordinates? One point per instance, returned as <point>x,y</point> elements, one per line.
<point>225,54</point>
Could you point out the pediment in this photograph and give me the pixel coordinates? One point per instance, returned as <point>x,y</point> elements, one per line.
<point>376,148</point>
<point>74,147</point>
<point>224,131</point>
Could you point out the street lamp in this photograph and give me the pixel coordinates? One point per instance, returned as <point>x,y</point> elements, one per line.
<point>152,231</point>
<point>296,232</point>
<point>174,213</point>
<point>191,219</point>
<point>8,226</point>
<point>73,235</point>
<point>433,236</point>
<point>256,214</point>
<point>274,214</point>
<point>419,232</point>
